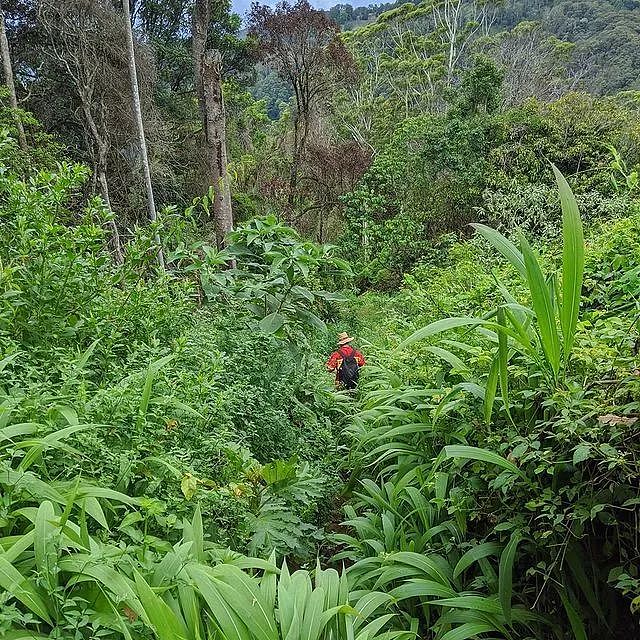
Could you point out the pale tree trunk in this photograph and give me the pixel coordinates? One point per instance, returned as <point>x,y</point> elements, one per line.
<point>137,113</point>
<point>215,142</point>
<point>8,77</point>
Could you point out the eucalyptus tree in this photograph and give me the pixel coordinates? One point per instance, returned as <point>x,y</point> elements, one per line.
<point>82,44</point>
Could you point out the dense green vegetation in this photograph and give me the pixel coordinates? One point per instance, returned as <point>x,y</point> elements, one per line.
<point>175,461</point>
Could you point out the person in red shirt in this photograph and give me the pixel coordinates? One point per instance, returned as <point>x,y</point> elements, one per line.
<point>346,362</point>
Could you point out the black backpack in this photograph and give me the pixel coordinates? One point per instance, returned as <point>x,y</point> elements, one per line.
<point>349,370</point>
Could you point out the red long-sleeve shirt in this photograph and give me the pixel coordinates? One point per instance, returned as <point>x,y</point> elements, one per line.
<point>335,359</point>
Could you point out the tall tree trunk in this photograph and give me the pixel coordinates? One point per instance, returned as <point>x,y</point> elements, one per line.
<point>199,29</point>
<point>8,77</point>
<point>207,72</point>
<point>137,113</point>
<point>215,142</point>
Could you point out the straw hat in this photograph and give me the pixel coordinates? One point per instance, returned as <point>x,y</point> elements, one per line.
<point>344,338</point>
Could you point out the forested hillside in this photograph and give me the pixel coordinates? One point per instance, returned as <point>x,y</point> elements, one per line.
<point>604,35</point>
<point>195,211</point>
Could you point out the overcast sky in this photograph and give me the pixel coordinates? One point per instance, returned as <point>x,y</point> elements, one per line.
<point>242,6</point>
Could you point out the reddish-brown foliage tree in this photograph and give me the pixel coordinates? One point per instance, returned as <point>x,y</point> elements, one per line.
<point>303,46</point>
<point>331,169</point>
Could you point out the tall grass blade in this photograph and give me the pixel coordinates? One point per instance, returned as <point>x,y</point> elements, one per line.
<point>19,587</point>
<point>572,262</point>
<point>504,246</point>
<point>576,559</point>
<point>437,327</point>
<point>503,358</point>
<point>490,390</point>
<point>543,306</point>
<point>505,576</point>
<point>577,625</point>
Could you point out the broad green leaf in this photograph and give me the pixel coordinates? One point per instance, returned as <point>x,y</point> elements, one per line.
<point>311,318</point>
<point>422,589</point>
<point>286,602</point>
<point>473,603</point>
<point>162,619</point>
<point>189,486</point>
<point>433,566</point>
<point>483,550</point>
<point>92,507</point>
<point>312,620</point>
<point>8,360</point>
<point>81,363</point>
<point>271,323</point>
<point>244,596</point>
<point>503,360</point>
<point>44,543</point>
<point>68,413</point>
<point>197,531</point>
<point>84,565</point>
<point>448,357</point>
<point>581,453</point>
<point>50,441</point>
<point>191,609</point>
<point>369,603</point>
<point>572,262</point>
<point>91,491</point>
<point>15,546</point>
<point>468,630</point>
<point>17,430</point>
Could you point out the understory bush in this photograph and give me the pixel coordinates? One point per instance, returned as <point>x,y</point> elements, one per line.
<point>186,405</point>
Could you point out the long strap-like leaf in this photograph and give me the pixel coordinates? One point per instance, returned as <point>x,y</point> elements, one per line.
<point>572,262</point>
<point>543,307</point>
